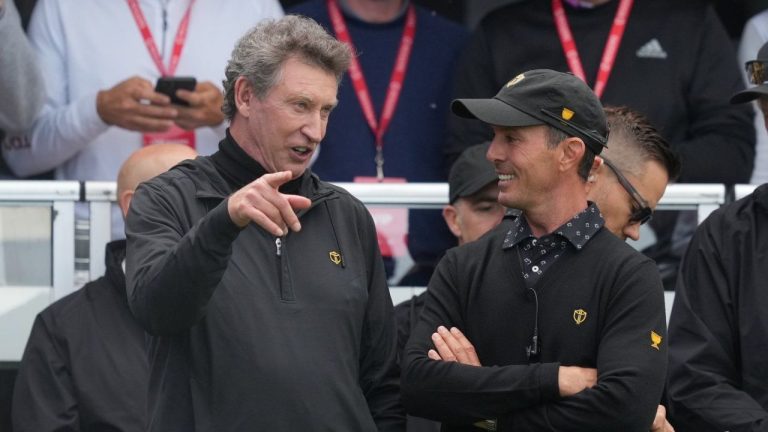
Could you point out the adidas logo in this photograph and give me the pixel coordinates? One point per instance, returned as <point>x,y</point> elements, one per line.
<point>652,49</point>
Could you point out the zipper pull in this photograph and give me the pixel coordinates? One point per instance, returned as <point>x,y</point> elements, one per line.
<point>279,246</point>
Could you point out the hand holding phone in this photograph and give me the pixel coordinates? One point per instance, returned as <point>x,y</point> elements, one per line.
<point>169,85</point>
<point>132,104</point>
<point>204,107</point>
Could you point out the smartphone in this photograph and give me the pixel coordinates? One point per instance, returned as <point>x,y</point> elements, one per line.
<point>169,85</point>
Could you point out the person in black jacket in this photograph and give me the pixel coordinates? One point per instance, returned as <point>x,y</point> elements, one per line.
<point>567,319</point>
<point>630,52</point>
<point>262,287</point>
<point>641,164</point>
<point>718,335</point>
<point>84,367</point>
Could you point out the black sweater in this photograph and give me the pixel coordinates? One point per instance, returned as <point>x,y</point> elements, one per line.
<point>683,84</point>
<point>85,366</point>
<point>478,288</point>
<point>249,335</point>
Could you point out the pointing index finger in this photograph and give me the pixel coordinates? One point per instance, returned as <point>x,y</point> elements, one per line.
<point>277,179</point>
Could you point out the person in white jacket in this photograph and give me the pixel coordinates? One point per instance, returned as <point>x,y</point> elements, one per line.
<point>100,61</point>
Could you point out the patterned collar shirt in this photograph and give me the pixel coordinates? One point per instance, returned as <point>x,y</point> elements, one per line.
<point>536,255</point>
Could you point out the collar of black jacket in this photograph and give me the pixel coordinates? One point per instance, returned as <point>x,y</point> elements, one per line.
<point>238,168</point>
<point>113,259</point>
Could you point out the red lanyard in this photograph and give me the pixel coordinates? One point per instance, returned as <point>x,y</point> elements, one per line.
<point>395,81</point>
<point>146,34</point>
<point>611,45</point>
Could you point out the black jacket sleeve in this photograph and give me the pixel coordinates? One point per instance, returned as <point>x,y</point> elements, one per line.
<point>173,263</point>
<point>631,366</point>
<point>379,371</point>
<point>716,127</point>
<point>705,372</point>
<point>44,397</point>
<point>457,393</point>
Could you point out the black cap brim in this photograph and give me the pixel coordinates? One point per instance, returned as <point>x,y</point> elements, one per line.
<point>750,94</point>
<point>494,112</point>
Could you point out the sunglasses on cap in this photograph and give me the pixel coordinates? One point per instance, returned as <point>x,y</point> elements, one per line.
<point>757,72</point>
<point>641,212</point>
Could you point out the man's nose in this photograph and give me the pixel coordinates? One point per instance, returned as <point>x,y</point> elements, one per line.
<point>314,128</point>
<point>632,231</point>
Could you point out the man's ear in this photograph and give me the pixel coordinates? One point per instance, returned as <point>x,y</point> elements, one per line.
<point>243,95</point>
<point>595,171</point>
<point>595,174</point>
<point>124,201</point>
<point>452,220</point>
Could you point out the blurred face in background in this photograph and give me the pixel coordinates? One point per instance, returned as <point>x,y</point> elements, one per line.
<point>470,217</point>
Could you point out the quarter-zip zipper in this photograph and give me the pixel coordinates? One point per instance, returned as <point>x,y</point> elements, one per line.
<point>283,271</point>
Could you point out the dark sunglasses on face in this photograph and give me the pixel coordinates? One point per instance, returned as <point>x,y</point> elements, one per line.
<point>757,72</point>
<point>641,212</point>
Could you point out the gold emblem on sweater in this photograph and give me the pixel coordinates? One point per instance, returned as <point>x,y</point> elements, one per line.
<point>579,315</point>
<point>335,257</point>
<point>655,339</point>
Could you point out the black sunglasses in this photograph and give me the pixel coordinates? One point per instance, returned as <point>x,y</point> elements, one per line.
<point>641,212</point>
<point>757,72</point>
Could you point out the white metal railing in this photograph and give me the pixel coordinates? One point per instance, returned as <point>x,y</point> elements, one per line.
<point>20,304</point>
<point>744,190</point>
<point>100,196</point>
<point>61,196</point>
<point>704,198</point>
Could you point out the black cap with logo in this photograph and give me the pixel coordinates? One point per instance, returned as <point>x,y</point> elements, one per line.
<point>543,96</point>
<point>471,173</point>
<point>757,72</point>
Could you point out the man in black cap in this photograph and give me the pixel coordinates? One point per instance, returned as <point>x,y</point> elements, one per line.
<point>717,374</point>
<point>568,319</point>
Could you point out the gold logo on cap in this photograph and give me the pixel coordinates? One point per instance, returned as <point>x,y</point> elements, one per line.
<point>655,339</point>
<point>515,80</point>
<point>579,315</point>
<point>567,114</point>
<point>335,257</point>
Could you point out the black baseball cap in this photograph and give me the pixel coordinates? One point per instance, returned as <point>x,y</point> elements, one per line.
<point>543,96</point>
<point>470,173</point>
<point>757,72</point>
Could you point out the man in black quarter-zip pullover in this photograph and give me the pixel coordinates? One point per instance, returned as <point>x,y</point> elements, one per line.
<point>263,287</point>
<point>548,322</point>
